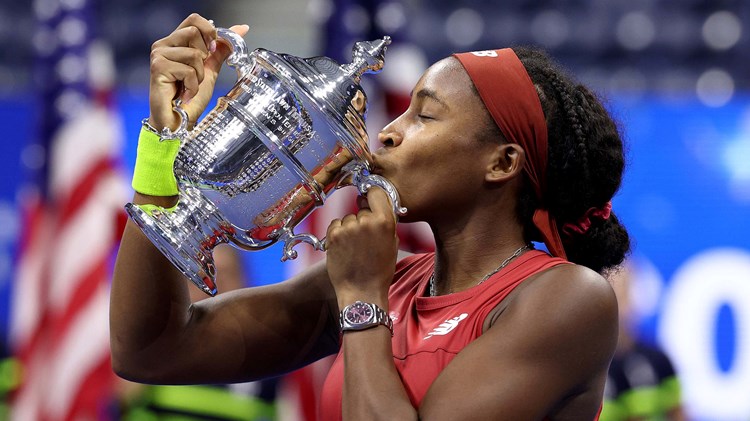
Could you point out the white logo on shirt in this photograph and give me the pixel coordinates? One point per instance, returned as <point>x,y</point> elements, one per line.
<point>394,316</point>
<point>447,326</point>
<point>485,53</point>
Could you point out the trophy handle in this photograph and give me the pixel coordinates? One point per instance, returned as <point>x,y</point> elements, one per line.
<point>182,131</point>
<point>363,180</point>
<point>240,59</point>
<point>291,239</point>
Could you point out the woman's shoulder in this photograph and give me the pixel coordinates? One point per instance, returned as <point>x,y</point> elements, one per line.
<point>559,330</point>
<point>569,299</point>
<point>568,285</point>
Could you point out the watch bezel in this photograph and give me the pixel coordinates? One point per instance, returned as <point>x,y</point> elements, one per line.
<point>353,317</point>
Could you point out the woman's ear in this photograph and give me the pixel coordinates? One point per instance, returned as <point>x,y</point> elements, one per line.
<point>507,162</point>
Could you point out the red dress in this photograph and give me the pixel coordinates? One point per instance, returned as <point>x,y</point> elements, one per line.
<point>429,331</point>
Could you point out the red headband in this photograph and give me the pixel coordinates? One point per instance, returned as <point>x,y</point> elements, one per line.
<point>511,98</point>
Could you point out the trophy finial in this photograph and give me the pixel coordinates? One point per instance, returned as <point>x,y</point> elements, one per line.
<point>367,57</point>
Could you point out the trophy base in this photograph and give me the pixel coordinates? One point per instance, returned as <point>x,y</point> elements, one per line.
<point>186,234</point>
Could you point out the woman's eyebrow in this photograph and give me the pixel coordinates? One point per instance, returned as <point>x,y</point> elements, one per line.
<point>429,93</point>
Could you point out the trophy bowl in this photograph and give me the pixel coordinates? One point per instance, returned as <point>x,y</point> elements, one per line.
<point>288,133</point>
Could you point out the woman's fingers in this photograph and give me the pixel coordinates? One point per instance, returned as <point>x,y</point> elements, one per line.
<point>380,204</point>
<point>203,28</point>
<point>177,62</point>
<point>167,77</point>
<point>164,60</point>
<point>186,64</point>
<point>241,30</point>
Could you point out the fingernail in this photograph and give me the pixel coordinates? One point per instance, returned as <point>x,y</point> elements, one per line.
<point>212,46</point>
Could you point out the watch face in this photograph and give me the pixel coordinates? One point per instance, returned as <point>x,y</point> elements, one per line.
<point>359,313</point>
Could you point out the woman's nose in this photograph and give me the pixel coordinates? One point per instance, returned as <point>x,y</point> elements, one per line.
<point>389,137</point>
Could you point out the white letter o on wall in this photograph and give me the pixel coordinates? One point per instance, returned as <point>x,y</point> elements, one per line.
<point>698,289</point>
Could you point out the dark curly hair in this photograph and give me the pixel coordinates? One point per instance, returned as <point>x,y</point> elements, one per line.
<point>585,165</point>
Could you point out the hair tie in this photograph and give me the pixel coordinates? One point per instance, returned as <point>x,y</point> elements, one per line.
<point>584,223</point>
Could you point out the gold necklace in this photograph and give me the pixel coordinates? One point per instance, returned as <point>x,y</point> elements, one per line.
<point>518,252</point>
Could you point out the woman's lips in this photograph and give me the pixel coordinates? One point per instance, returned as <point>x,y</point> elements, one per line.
<point>376,166</point>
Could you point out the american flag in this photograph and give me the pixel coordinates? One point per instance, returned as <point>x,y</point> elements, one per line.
<point>73,219</point>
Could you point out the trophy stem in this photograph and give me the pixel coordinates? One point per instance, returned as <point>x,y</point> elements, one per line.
<point>186,234</point>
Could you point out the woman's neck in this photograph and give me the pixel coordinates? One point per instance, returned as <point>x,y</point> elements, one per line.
<point>465,255</point>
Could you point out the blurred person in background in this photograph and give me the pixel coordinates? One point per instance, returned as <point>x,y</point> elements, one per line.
<point>498,148</point>
<point>254,401</point>
<point>642,384</point>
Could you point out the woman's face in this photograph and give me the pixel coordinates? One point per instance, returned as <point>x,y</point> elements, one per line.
<point>433,153</point>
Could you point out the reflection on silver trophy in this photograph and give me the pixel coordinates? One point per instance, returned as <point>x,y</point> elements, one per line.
<point>288,133</point>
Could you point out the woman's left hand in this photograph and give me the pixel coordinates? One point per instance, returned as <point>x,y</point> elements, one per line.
<point>362,249</point>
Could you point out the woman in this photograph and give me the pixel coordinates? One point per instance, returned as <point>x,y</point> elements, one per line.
<point>493,153</point>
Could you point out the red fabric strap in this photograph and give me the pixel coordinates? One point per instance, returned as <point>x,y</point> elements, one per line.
<point>513,102</point>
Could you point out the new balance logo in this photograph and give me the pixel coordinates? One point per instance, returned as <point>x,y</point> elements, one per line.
<point>447,326</point>
<point>485,53</point>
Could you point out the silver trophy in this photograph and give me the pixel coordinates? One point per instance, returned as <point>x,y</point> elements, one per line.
<point>288,133</point>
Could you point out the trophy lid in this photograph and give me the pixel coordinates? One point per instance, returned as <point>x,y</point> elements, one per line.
<point>335,88</point>
<point>367,57</point>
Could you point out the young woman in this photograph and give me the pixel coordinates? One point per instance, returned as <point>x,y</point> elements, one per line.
<point>497,149</point>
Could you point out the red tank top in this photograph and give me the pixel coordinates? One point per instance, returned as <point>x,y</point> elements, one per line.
<point>429,331</point>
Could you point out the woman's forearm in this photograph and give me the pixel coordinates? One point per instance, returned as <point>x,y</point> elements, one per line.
<point>372,386</point>
<point>149,301</point>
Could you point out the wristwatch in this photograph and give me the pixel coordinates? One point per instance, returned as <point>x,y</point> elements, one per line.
<point>361,316</point>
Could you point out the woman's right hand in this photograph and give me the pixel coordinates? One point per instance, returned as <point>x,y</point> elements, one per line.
<point>186,63</point>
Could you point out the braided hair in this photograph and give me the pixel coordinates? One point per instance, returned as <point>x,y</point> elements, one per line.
<point>585,165</point>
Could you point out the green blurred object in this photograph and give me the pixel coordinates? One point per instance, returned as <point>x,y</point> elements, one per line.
<point>193,403</point>
<point>10,379</point>
<point>641,385</point>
